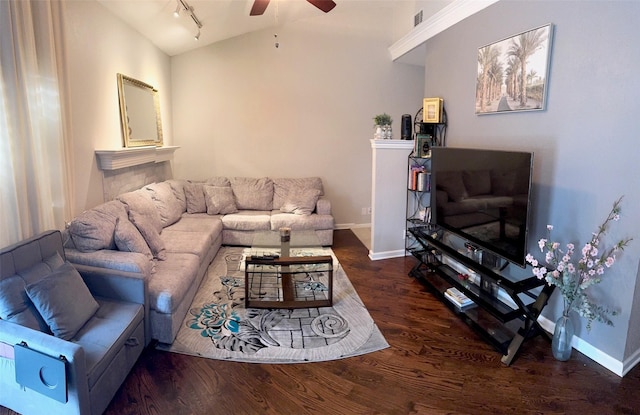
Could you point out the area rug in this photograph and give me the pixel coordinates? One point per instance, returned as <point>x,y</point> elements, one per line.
<point>218,326</point>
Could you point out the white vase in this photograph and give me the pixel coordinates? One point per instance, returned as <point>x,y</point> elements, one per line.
<point>378,135</point>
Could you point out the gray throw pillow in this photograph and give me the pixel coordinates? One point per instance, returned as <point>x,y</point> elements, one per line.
<point>63,300</point>
<point>129,239</point>
<point>220,200</point>
<point>92,230</point>
<point>149,233</point>
<point>16,307</point>
<point>168,205</point>
<point>301,202</point>
<point>194,193</point>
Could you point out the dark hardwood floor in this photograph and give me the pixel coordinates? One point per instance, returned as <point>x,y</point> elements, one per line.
<point>436,365</point>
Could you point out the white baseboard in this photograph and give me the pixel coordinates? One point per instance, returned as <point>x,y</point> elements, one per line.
<point>595,354</point>
<point>375,256</point>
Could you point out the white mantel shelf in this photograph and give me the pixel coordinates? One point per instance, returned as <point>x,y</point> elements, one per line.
<point>127,157</point>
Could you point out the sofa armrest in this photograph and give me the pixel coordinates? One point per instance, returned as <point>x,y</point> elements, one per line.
<point>131,287</point>
<point>132,262</point>
<point>25,400</point>
<point>323,207</point>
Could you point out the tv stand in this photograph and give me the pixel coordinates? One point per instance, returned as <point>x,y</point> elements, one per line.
<point>507,308</point>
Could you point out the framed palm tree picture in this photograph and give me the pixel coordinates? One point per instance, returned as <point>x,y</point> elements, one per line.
<point>513,72</point>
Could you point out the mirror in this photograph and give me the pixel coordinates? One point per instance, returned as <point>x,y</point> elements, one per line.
<point>139,113</point>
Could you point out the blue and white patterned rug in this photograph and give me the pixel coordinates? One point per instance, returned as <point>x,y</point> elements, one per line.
<point>218,325</point>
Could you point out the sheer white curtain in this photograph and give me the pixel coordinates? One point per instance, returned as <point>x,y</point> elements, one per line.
<point>35,161</point>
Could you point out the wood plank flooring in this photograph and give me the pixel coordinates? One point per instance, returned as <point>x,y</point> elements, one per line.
<point>436,365</point>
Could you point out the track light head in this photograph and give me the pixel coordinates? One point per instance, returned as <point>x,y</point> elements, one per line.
<point>176,13</point>
<point>197,36</point>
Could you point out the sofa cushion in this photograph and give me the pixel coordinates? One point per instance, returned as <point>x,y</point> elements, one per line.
<point>194,193</point>
<point>63,300</point>
<point>219,200</point>
<point>139,201</point>
<point>105,334</point>
<point>219,181</point>
<point>503,182</point>
<point>93,229</point>
<point>477,182</point>
<point>282,187</point>
<point>129,239</point>
<point>168,206</point>
<point>197,243</point>
<point>248,220</point>
<point>302,202</point>
<point>300,222</point>
<point>149,233</point>
<point>172,280</point>
<point>16,307</point>
<point>451,182</point>
<point>253,194</point>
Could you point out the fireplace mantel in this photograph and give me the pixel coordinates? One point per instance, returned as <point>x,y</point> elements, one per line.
<point>127,157</point>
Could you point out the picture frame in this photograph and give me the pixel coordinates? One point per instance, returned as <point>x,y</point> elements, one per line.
<point>432,110</point>
<point>423,145</point>
<point>513,73</point>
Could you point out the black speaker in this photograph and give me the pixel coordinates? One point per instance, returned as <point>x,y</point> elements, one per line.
<point>406,127</point>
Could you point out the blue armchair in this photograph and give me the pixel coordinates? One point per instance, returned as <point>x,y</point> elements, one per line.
<point>72,364</point>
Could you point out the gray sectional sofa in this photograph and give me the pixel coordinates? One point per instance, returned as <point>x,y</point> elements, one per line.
<point>55,322</point>
<point>168,233</point>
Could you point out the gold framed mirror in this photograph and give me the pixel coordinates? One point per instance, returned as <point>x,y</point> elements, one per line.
<point>139,113</point>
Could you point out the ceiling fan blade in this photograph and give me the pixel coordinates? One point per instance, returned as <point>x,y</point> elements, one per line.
<point>258,8</point>
<point>324,5</point>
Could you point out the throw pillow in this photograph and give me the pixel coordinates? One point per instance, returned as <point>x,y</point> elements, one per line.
<point>129,239</point>
<point>149,233</point>
<point>140,201</point>
<point>194,194</point>
<point>16,307</point>
<point>253,194</point>
<point>168,206</point>
<point>219,200</point>
<point>63,300</point>
<point>282,187</point>
<point>178,191</point>
<point>301,202</point>
<point>92,230</point>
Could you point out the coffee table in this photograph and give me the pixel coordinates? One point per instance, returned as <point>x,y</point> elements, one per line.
<point>285,272</point>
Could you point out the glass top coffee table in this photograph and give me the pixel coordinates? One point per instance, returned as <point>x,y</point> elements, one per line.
<point>286,271</point>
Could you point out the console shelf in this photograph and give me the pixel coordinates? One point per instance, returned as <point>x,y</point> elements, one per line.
<point>506,310</point>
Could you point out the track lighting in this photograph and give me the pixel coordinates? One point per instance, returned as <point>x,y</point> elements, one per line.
<point>183,5</point>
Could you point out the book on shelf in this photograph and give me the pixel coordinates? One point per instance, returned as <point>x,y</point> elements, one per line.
<point>419,178</point>
<point>458,298</point>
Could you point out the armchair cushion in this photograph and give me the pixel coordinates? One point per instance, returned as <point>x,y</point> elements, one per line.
<point>63,300</point>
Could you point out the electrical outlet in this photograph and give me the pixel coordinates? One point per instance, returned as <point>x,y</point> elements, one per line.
<point>368,211</point>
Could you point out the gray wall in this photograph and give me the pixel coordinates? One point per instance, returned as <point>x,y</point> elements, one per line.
<point>585,142</point>
<point>244,108</point>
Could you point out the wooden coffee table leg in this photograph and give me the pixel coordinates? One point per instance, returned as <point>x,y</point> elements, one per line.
<point>288,286</point>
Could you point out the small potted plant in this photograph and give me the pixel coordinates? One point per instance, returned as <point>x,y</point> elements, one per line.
<point>382,123</point>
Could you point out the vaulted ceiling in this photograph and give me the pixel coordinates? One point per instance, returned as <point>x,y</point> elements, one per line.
<point>221,19</point>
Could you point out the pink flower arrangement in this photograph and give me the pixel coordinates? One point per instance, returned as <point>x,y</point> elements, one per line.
<point>574,278</point>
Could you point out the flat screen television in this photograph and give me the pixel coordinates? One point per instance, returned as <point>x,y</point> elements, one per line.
<point>484,197</point>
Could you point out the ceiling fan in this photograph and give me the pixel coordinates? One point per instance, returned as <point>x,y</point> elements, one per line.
<point>259,6</point>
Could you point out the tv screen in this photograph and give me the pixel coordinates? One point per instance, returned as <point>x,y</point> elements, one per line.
<point>483,196</point>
